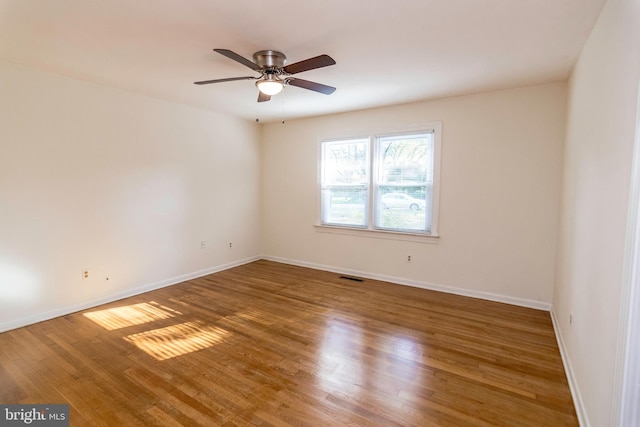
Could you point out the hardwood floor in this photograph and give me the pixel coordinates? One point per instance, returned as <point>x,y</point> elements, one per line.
<point>277,345</point>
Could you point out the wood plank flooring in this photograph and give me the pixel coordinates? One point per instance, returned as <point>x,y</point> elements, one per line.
<point>270,344</point>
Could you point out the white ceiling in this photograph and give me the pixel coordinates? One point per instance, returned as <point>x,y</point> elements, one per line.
<point>387,52</point>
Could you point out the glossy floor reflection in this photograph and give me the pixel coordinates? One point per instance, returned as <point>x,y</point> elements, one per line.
<point>382,371</point>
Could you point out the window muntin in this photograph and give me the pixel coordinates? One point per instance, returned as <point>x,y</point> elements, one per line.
<point>384,183</point>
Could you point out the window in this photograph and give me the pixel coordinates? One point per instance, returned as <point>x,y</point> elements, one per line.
<point>383,182</point>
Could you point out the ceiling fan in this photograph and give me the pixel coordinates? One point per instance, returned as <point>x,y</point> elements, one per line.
<point>274,74</point>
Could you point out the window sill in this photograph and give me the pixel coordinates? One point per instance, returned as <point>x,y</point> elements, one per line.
<point>378,234</point>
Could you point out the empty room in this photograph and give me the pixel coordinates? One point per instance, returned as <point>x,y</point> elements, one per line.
<point>320,213</point>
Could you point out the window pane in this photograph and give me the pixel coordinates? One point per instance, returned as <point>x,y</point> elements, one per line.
<point>404,182</point>
<point>345,182</point>
<point>344,206</point>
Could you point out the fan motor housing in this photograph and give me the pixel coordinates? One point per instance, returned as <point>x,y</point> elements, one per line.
<point>269,59</point>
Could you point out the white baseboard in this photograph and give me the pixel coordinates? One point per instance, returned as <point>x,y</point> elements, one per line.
<point>578,403</point>
<point>522,302</point>
<point>63,311</point>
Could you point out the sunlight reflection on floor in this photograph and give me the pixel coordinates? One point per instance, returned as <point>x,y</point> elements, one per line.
<point>177,340</point>
<point>130,315</point>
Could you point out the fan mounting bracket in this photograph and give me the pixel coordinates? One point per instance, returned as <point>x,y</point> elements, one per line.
<point>269,59</point>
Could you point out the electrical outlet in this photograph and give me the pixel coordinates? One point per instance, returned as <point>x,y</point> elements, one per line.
<point>203,244</point>
<point>85,274</point>
<point>408,258</point>
<point>230,245</point>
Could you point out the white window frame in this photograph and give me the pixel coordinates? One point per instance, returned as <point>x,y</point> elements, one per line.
<point>370,230</point>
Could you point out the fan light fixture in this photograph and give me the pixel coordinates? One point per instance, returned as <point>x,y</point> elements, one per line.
<point>274,75</point>
<point>270,85</point>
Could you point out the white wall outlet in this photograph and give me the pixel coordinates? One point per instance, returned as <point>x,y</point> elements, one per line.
<point>203,244</point>
<point>85,274</point>
<point>230,245</point>
<point>409,259</point>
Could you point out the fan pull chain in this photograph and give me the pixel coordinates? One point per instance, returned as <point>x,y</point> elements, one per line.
<point>284,96</point>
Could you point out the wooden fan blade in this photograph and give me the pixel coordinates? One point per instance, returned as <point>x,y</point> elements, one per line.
<point>262,97</point>
<point>309,64</point>
<point>241,59</point>
<point>316,87</point>
<point>230,79</point>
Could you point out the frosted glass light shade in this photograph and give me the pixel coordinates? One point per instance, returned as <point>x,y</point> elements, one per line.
<point>270,85</point>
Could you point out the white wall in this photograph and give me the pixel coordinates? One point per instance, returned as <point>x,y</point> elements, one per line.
<point>597,164</point>
<point>119,183</point>
<point>501,171</point>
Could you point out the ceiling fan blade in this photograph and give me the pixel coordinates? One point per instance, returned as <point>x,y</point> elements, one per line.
<point>306,84</point>
<point>241,59</point>
<point>230,79</point>
<point>309,64</point>
<point>262,97</point>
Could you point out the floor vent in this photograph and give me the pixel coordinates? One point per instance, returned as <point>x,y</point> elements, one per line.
<point>355,279</point>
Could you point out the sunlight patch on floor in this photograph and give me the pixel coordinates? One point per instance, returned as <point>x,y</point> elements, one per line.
<point>177,340</point>
<point>130,315</point>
